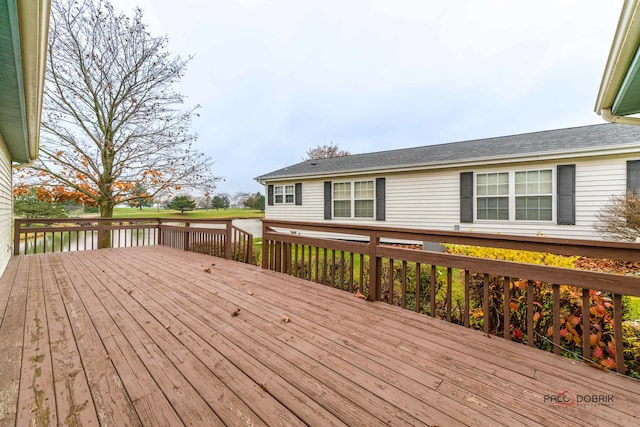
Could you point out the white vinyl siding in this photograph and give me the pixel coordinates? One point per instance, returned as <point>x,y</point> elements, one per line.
<point>431,199</point>
<point>6,206</point>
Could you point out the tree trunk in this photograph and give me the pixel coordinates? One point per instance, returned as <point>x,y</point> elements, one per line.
<point>106,211</point>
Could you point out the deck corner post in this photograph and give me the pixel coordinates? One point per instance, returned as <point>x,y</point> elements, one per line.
<point>17,229</point>
<point>185,243</point>
<point>265,247</point>
<point>100,231</point>
<point>228,239</point>
<point>374,267</point>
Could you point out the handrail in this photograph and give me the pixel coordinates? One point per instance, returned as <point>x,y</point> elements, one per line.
<point>359,258</point>
<point>210,236</point>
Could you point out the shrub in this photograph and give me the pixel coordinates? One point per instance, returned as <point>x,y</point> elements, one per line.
<point>619,219</point>
<point>571,311</point>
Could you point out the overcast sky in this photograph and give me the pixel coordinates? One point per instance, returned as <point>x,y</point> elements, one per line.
<point>277,77</point>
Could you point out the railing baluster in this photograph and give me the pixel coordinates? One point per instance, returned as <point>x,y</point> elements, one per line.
<point>449,293</point>
<point>351,267</point>
<point>617,333</point>
<point>404,284</point>
<point>362,284</point>
<point>530,313</point>
<point>390,282</point>
<point>324,266</point>
<point>342,283</point>
<point>506,308</point>
<point>467,300</point>
<point>485,304</point>
<point>418,286</point>
<point>432,290</point>
<point>317,271</point>
<point>556,319</point>
<point>586,324</point>
<point>334,270</point>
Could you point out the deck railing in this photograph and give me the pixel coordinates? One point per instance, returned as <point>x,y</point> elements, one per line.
<point>494,296</point>
<point>208,236</point>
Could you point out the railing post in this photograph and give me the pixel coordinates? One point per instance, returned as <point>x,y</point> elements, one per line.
<point>185,242</point>
<point>228,239</point>
<point>265,247</point>
<point>17,229</point>
<point>100,230</point>
<point>249,249</point>
<point>374,267</point>
<point>159,227</point>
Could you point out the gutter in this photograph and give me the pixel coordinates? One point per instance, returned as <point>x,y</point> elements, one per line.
<point>606,114</point>
<point>623,50</point>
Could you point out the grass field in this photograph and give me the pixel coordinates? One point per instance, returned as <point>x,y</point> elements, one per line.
<point>200,213</point>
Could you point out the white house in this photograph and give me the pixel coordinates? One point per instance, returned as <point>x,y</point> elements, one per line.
<point>551,183</point>
<point>24,28</point>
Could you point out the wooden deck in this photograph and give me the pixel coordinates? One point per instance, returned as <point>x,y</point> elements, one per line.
<point>148,336</point>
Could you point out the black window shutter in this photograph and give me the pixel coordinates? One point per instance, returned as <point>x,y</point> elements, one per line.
<point>633,176</point>
<point>380,199</point>
<point>466,197</point>
<point>298,193</point>
<point>327,200</point>
<point>270,195</point>
<point>566,194</point>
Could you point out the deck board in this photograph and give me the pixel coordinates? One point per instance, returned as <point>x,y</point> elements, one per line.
<point>146,336</point>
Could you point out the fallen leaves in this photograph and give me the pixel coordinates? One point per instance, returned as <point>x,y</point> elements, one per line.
<point>167,326</point>
<point>129,291</point>
<point>360,295</point>
<point>249,292</point>
<point>207,270</point>
<point>235,313</point>
<point>285,318</point>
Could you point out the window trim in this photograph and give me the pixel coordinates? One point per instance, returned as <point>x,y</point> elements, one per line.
<point>512,196</point>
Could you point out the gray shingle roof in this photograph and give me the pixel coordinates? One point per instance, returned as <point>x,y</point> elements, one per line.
<point>505,147</point>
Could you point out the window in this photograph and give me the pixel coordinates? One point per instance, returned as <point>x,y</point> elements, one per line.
<point>279,190</point>
<point>288,193</point>
<point>284,194</point>
<point>353,199</point>
<point>534,195</point>
<point>493,196</point>
<point>518,195</point>
<point>363,199</point>
<point>342,199</point>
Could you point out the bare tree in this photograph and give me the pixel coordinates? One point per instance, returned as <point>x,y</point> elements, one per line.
<point>112,121</point>
<point>619,219</point>
<point>324,151</point>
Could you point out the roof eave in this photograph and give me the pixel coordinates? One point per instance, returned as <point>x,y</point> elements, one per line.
<point>34,31</point>
<point>479,161</point>
<point>29,22</point>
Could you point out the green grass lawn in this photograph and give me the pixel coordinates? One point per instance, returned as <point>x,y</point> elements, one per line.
<point>200,213</point>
